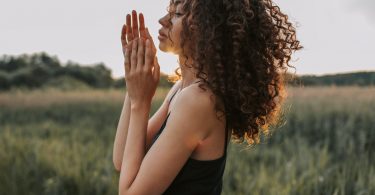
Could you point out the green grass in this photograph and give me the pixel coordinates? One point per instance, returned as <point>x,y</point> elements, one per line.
<point>55,142</point>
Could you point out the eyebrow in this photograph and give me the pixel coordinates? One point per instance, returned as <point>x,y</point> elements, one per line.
<point>177,2</point>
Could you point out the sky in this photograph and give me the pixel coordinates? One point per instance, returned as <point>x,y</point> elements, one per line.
<point>337,35</point>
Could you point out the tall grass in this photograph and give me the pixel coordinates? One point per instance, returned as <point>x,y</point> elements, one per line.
<point>55,142</point>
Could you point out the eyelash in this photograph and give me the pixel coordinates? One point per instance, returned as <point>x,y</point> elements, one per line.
<point>178,14</point>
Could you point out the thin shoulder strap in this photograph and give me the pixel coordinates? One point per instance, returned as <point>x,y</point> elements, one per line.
<point>170,99</point>
<point>173,96</point>
<point>177,91</point>
<point>226,137</point>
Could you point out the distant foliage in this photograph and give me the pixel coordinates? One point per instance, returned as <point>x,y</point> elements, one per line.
<point>27,71</point>
<point>163,82</point>
<point>97,76</point>
<point>66,83</point>
<point>344,79</point>
<point>42,70</point>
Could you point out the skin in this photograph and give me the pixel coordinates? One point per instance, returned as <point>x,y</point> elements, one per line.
<point>127,36</point>
<point>180,137</point>
<point>166,45</point>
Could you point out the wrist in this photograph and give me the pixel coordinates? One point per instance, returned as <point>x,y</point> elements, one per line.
<point>140,106</point>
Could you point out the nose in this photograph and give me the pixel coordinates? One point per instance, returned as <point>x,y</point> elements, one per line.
<point>164,20</point>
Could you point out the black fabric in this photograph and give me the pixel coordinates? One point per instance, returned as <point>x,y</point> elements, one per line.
<point>198,177</point>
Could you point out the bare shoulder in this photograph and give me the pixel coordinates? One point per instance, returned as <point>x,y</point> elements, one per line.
<point>195,106</point>
<point>172,90</point>
<point>204,98</point>
<point>196,98</point>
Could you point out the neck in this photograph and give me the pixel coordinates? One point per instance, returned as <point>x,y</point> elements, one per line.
<point>188,73</point>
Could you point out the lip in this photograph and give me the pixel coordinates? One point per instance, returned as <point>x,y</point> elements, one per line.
<point>161,37</point>
<point>162,34</point>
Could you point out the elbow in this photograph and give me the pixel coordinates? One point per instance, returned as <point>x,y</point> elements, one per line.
<point>117,165</point>
<point>118,168</point>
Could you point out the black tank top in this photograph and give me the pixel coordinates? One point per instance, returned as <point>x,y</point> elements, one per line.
<point>198,177</point>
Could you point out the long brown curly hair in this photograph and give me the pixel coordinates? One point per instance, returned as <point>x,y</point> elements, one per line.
<point>245,47</point>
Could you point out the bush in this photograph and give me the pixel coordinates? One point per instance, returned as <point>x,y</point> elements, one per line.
<point>66,83</point>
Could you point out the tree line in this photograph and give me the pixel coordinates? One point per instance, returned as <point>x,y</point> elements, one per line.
<point>361,78</point>
<point>42,70</point>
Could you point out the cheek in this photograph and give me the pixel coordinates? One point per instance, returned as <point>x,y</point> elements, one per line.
<point>176,33</point>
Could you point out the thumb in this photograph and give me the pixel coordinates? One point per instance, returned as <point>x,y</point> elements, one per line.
<point>152,41</point>
<point>156,70</point>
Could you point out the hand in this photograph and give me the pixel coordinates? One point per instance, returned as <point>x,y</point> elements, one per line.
<point>129,32</point>
<point>142,72</point>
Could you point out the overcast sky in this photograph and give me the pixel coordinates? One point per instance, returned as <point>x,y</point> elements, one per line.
<point>338,35</point>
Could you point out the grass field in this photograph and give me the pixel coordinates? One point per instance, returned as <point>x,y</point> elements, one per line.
<point>55,142</point>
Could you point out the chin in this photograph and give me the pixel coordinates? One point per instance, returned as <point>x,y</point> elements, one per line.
<point>162,47</point>
<point>166,49</point>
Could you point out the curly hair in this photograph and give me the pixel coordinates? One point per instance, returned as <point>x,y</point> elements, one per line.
<point>245,47</point>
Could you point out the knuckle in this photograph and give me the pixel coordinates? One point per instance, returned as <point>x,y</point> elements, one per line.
<point>147,71</point>
<point>133,59</point>
<point>150,55</point>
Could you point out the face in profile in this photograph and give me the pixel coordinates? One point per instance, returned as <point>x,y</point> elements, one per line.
<point>171,24</point>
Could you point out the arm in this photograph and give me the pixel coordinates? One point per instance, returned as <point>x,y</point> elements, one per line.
<point>121,133</point>
<point>154,124</point>
<point>158,118</point>
<point>152,172</point>
<point>128,33</point>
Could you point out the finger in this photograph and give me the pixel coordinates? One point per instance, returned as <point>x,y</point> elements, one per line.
<point>133,57</point>
<point>142,29</point>
<point>123,39</point>
<point>149,57</point>
<point>123,35</point>
<point>135,24</point>
<point>127,59</point>
<point>152,41</point>
<point>156,73</point>
<point>141,54</point>
<point>129,32</point>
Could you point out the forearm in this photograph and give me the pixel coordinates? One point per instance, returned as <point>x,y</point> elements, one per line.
<point>121,133</point>
<point>135,149</point>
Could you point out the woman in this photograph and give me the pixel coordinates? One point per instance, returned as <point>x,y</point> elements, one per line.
<point>231,56</point>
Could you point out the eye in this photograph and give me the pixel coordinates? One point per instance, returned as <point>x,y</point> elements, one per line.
<point>178,14</point>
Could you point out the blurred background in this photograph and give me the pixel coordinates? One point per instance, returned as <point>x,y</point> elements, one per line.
<point>62,90</point>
